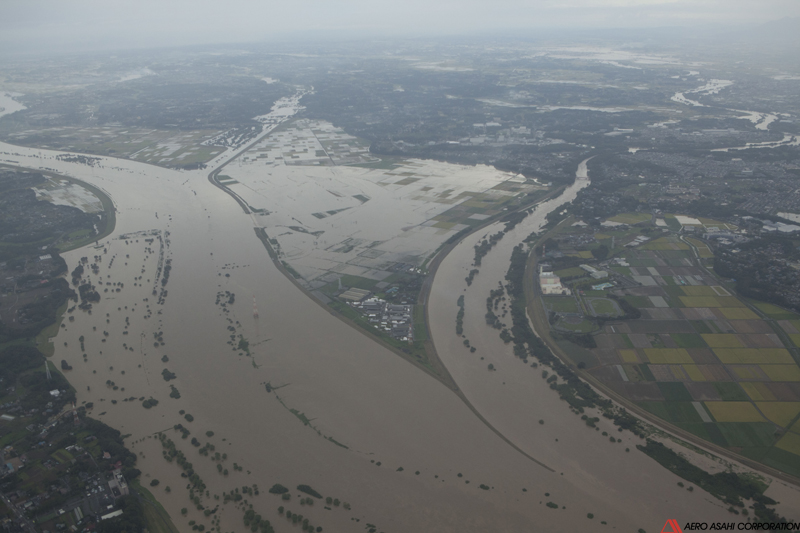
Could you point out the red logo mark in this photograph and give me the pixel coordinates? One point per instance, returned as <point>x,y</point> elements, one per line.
<point>671,526</point>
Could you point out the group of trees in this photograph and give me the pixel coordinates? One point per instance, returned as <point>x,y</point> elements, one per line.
<point>729,487</point>
<point>39,313</point>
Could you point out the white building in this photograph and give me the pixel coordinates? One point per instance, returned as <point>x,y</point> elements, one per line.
<point>550,283</point>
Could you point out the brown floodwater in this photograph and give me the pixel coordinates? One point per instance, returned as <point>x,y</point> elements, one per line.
<point>514,397</point>
<point>345,386</point>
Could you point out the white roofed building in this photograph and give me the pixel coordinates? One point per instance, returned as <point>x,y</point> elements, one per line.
<point>550,283</point>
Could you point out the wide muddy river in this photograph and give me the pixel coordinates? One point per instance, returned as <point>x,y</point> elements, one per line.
<point>317,402</point>
<point>513,397</point>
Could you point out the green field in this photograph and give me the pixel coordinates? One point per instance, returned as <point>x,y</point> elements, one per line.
<point>734,412</point>
<point>790,442</point>
<point>782,413</point>
<point>702,248</point>
<point>754,356</point>
<point>738,313</point>
<point>694,373</point>
<point>674,391</point>
<point>665,243</point>
<point>668,355</point>
<point>631,218</point>
<point>758,392</point>
<point>773,311</point>
<point>688,340</point>
<point>672,222</point>
<point>62,456</point>
<point>753,434</point>
<point>570,272</point>
<point>603,306</point>
<point>638,301</point>
<point>584,326</point>
<point>698,290</point>
<point>679,413</point>
<point>711,301</point>
<point>781,372</point>
<point>561,304</point>
<point>722,340</point>
<point>782,460</point>
<point>730,392</point>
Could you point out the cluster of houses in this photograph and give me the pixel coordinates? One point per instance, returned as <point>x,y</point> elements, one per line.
<point>394,319</point>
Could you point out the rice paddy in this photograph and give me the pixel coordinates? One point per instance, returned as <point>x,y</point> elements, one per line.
<point>711,301</point>
<point>700,357</point>
<point>722,340</point>
<point>694,373</point>
<point>782,372</point>
<point>773,311</point>
<point>699,290</point>
<point>790,442</point>
<point>668,355</point>
<point>782,413</point>
<point>734,412</point>
<point>631,218</point>
<point>758,392</point>
<point>738,313</point>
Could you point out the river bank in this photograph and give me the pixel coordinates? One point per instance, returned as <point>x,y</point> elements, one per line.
<point>347,387</point>
<point>496,382</point>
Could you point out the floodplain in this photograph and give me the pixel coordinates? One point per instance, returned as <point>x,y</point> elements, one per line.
<point>330,212</point>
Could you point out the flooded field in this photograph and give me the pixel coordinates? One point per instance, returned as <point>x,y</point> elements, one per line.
<point>8,104</point>
<point>293,396</point>
<point>305,400</point>
<point>497,383</point>
<point>62,192</point>
<point>330,220</point>
<point>158,147</point>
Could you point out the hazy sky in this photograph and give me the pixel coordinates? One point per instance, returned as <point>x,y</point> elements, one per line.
<point>61,24</point>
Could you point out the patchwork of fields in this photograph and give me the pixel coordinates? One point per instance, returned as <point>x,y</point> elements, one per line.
<point>699,357</point>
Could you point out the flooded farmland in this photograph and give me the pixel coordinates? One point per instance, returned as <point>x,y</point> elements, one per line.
<point>307,400</point>
<point>332,211</point>
<point>300,270</point>
<point>294,396</point>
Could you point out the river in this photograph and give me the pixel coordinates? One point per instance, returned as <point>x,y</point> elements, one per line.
<point>514,398</point>
<point>348,388</point>
<point>393,419</point>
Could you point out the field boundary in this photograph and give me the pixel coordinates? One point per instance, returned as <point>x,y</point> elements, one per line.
<point>539,323</point>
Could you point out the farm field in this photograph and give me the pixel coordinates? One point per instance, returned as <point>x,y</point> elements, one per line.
<point>311,186</point>
<point>170,148</point>
<point>718,366</point>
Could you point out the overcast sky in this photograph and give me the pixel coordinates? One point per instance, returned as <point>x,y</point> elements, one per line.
<point>118,24</point>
